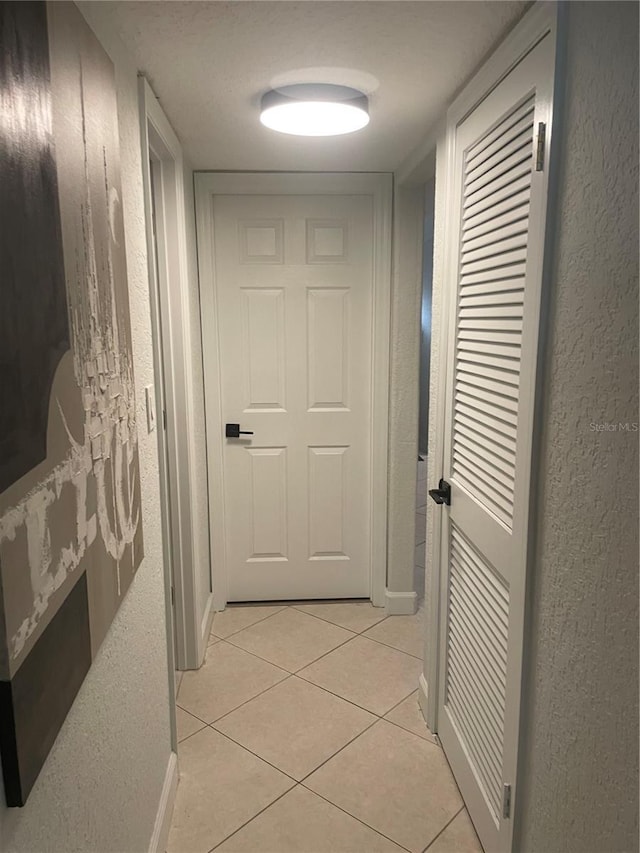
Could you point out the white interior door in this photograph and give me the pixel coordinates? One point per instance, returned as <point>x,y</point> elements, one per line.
<point>294,289</point>
<point>497,215</point>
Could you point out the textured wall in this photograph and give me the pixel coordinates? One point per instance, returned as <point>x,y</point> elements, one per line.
<point>100,786</point>
<point>579,787</point>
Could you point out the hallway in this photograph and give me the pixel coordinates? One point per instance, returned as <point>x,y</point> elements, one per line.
<point>302,734</point>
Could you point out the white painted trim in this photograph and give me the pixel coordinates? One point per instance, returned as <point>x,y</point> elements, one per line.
<point>380,187</point>
<point>172,351</point>
<point>400,603</point>
<point>160,835</point>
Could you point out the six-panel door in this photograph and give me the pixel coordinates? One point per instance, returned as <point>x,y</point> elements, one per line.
<point>294,298</point>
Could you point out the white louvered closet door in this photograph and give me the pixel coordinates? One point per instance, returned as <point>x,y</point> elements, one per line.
<point>497,208</point>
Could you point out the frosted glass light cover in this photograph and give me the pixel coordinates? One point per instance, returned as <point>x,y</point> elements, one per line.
<point>315,110</point>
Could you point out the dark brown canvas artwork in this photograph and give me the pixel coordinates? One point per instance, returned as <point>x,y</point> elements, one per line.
<point>70,524</point>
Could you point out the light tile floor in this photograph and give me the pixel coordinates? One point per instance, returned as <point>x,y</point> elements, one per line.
<point>301,733</point>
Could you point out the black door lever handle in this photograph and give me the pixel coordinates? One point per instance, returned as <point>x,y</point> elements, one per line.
<point>441,495</point>
<point>234,431</point>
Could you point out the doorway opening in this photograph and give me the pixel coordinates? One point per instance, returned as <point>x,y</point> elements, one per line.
<point>425,380</point>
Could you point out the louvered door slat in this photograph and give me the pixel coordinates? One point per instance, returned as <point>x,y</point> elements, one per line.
<point>495,615</point>
<point>497,377</point>
<point>487,206</point>
<point>471,444</point>
<point>493,140</point>
<point>507,182</point>
<point>476,660</point>
<point>518,153</point>
<point>510,219</point>
<point>485,247</point>
<point>485,388</point>
<point>468,664</point>
<point>488,217</point>
<point>506,273</point>
<point>520,132</point>
<point>510,227</point>
<point>488,335</point>
<point>490,729</point>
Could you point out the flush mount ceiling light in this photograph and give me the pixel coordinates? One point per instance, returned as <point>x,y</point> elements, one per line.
<point>315,109</point>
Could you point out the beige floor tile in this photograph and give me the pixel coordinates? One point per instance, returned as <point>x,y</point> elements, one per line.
<point>236,617</point>
<point>355,616</point>
<point>302,822</point>
<point>419,559</point>
<point>221,787</point>
<point>374,676</point>
<point>212,639</point>
<point>187,724</point>
<point>408,715</point>
<point>228,678</point>
<point>458,837</point>
<point>402,632</point>
<point>295,726</point>
<point>393,781</point>
<point>290,639</point>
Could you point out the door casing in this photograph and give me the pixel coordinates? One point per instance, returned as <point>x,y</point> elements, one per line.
<point>172,353</point>
<point>379,187</point>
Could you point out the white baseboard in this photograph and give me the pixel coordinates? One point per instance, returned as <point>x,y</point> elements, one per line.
<point>400,603</point>
<point>164,814</point>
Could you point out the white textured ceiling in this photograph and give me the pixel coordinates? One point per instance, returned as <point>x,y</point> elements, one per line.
<point>209,63</point>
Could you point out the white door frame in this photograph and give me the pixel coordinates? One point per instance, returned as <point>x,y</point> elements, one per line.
<point>170,318</point>
<point>379,187</point>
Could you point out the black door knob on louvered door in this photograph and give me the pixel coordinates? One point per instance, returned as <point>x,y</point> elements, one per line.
<point>441,495</point>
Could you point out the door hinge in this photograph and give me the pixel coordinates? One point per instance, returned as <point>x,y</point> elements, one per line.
<point>542,132</point>
<point>506,801</point>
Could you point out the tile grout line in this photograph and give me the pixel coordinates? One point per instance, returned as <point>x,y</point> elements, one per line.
<point>448,823</point>
<point>246,701</point>
<point>389,646</point>
<point>315,660</point>
<point>257,622</point>
<point>337,625</point>
<point>257,814</point>
<point>404,729</point>
<point>259,757</point>
<point>364,823</point>
<point>301,782</point>
<point>300,785</point>
<point>350,701</point>
<point>308,681</point>
<point>338,751</point>
<point>191,714</point>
